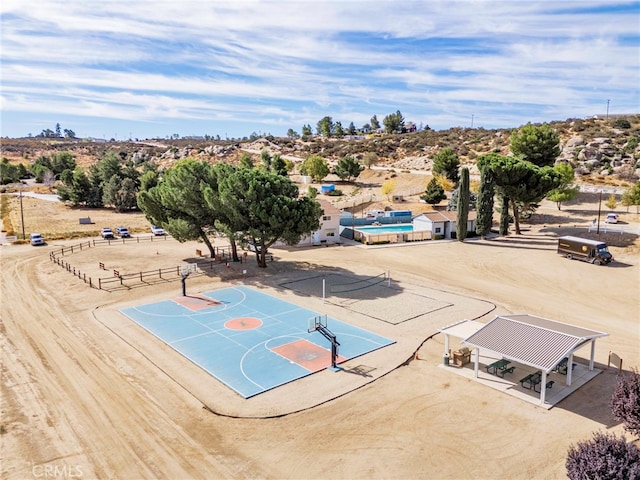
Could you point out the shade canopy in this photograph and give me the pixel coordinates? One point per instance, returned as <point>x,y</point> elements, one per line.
<point>538,342</point>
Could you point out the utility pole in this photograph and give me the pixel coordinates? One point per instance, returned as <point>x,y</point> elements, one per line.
<point>22,215</point>
<point>599,209</point>
<point>607,117</point>
<point>472,120</point>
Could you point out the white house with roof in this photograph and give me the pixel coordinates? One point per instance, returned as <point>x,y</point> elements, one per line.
<point>329,231</point>
<point>442,224</point>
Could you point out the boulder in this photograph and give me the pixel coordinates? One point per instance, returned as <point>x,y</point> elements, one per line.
<point>575,142</point>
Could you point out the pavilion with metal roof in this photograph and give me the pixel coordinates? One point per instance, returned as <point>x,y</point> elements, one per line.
<point>537,342</point>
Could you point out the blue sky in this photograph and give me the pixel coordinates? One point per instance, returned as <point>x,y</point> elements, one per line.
<point>145,69</point>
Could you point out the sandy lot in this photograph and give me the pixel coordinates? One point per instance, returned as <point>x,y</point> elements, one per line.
<point>85,394</point>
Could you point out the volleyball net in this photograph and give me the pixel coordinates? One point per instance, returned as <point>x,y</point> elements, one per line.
<point>359,284</point>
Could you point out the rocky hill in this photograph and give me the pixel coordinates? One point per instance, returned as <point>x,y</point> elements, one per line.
<point>602,151</point>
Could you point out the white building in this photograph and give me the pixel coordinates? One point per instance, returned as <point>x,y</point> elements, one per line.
<point>442,224</point>
<point>329,231</point>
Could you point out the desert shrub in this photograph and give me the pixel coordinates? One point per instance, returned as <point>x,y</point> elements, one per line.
<point>605,457</point>
<point>625,401</point>
<point>622,123</point>
<point>631,145</point>
<point>334,193</point>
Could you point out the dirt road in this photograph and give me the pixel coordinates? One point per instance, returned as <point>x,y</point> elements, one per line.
<point>80,402</point>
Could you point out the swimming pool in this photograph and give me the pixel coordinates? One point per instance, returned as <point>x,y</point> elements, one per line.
<point>377,230</point>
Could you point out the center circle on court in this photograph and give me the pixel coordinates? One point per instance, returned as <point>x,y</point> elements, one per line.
<point>243,323</point>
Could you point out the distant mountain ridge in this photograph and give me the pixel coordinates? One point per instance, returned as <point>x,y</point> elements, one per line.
<point>605,150</point>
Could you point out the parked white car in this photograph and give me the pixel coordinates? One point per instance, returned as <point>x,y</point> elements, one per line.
<point>123,232</point>
<point>611,218</point>
<point>36,239</point>
<point>107,233</point>
<point>157,230</point>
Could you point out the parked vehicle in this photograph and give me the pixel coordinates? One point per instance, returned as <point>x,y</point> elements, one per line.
<point>592,251</point>
<point>123,232</point>
<point>107,234</point>
<point>157,230</point>
<point>36,239</point>
<point>611,218</point>
<point>253,247</point>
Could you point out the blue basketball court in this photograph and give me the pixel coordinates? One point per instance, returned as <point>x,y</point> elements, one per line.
<point>250,341</point>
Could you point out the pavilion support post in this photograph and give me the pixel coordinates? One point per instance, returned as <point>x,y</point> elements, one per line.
<point>476,363</point>
<point>543,387</point>
<point>446,343</point>
<point>569,369</point>
<point>593,354</point>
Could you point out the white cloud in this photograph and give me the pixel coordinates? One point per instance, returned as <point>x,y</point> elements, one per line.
<point>194,63</point>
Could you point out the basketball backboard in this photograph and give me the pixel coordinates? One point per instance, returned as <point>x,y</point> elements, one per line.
<point>316,321</point>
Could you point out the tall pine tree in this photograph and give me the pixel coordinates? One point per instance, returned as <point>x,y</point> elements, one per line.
<point>504,216</point>
<point>484,203</point>
<point>463,205</point>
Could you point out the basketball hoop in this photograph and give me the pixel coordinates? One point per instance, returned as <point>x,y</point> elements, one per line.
<point>189,268</point>
<point>185,270</point>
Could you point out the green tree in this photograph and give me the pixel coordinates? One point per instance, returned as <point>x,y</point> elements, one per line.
<point>631,196</point>
<point>265,156</point>
<point>108,166</point>
<point>121,192</point>
<point>178,202</point>
<point>325,127</point>
<point>434,193</point>
<point>39,170</point>
<point>352,129</point>
<point>611,202</point>
<point>539,145</point>
<point>76,187</point>
<point>306,132</point>
<point>370,159</point>
<point>246,161</point>
<point>316,167</point>
<point>22,171</point>
<point>348,168</point>
<point>375,124</point>
<point>338,130</point>
<point>9,173</point>
<point>463,206</point>
<point>504,216</point>
<point>58,132</point>
<point>520,181</point>
<point>69,133</point>
<point>148,180</point>
<point>447,163</point>
<point>566,191</point>
<point>394,122</point>
<point>94,195</point>
<point>292,134</point>
<point>484,203</point>
<point>268,209</point>
<point>62,161</point>
<point>278,165</point>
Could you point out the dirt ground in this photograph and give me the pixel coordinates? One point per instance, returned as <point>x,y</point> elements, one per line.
<point>85,394</point>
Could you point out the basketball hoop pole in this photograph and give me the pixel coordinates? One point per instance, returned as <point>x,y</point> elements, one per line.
<point>184,284</point>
